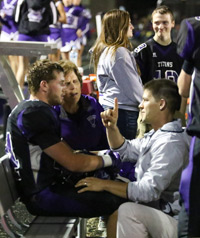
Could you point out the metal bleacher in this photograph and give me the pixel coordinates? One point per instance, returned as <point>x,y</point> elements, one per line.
<point>10,88</point>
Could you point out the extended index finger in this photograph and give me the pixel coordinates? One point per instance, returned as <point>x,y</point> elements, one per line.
<point>115,109</point>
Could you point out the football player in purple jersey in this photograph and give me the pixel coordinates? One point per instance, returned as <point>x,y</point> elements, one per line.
<point>157,57</point>
<point>188,46</point>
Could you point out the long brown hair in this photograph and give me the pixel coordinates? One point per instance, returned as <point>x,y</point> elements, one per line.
<point>114,30</point>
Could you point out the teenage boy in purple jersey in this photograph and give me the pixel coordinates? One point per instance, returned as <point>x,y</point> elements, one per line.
<point>157,57</point>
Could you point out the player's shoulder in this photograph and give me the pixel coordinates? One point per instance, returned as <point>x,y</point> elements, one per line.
<point>36,105</point>
<point>195,22</point>
<point>140,47</point>
<point>144,46</point>
<point>190,22</point>
<point>35,108</point>
<point>195,19</point>
<point>38,114</point>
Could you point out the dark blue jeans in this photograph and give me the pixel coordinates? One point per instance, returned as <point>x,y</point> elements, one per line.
<point>127,122</point>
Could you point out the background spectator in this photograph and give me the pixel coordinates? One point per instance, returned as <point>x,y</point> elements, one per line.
<point>116,70</point>
<point>9,30</point>
<point>55,31</point>
<point>157,57</point>
<point>33,18</point>
<point>75,30</point>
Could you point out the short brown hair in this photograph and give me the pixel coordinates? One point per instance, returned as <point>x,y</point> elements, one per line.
<point>41,70</point>
<point>165,89</point>
<point>163,10</point>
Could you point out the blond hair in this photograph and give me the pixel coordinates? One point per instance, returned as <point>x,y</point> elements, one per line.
<point>68,67</point>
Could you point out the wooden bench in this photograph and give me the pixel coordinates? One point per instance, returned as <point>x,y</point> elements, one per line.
<point>51,227</point>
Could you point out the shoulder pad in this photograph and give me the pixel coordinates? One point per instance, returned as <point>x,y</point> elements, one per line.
<point>140,47</point>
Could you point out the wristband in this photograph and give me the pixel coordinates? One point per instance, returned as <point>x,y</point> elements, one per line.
<point>107,161</point>
<point>102,152</point>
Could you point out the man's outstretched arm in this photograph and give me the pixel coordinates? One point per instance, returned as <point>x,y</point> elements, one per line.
<point>79,162</point>
<point>75,162</point>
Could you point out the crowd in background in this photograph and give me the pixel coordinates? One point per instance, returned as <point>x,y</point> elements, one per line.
<point>65,23</point>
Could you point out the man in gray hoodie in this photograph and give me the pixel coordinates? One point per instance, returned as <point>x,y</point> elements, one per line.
<point>160,158</point>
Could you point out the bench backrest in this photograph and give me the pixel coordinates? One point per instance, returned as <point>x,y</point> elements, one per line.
<point>8,194</point>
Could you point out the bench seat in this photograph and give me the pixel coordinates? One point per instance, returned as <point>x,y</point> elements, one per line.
<point>41,226</point>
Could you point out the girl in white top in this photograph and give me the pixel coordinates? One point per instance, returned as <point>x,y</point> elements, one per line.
<point>116,70</point>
